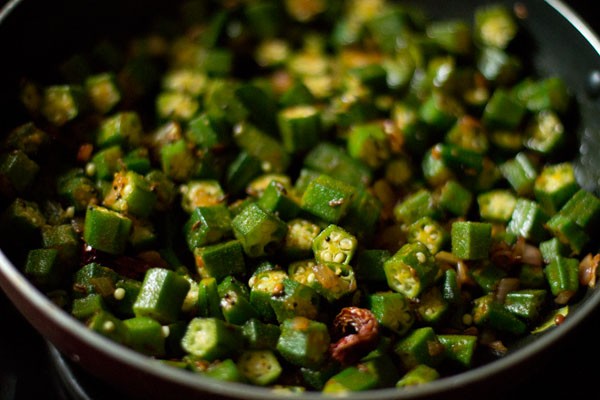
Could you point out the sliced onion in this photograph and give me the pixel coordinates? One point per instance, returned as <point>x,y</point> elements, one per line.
<point>532,255</point>
<point>587,270</point>
<point>505,286</point>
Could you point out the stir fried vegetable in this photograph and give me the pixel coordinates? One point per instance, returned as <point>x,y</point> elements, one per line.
<point>312,195</point>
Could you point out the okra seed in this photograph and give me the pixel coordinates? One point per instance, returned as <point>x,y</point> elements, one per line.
<point>339,257</point>
<point>108,326</point>
<point>119,293</point>
<point>327,256</point>
<point>421,257</point>
<point>165,331</point>
<point>346,244</point>
<point>335,236</point>
<point>90,169</point>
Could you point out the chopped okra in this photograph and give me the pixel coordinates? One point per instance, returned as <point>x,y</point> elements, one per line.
<point>305,195</point>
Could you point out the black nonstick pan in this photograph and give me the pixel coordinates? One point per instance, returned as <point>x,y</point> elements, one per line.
<point>36,35</point>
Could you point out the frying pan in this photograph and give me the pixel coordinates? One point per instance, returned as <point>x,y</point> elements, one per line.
<point>36,35</point>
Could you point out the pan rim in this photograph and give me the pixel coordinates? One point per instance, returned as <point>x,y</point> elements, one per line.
<point>13,281</point>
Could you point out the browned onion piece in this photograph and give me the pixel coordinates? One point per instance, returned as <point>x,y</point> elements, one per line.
<point>532,255</point>
<point>587,270</point>
<point>505,286</point>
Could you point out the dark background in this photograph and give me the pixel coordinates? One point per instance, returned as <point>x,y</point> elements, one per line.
<point>24,359</point>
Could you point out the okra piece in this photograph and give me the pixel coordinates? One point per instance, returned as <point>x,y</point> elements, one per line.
<point>175,105</point>
<point>332,160</point>
<point>106,162</point>
<point>259,335</point>
<point>418,375</point>
<point>161,295</point>
<point>350,379</point>
<point>568,232</point>
<point>94,278</point>
<point>122,129</point>
<point>495,26</point>
<point>330,279</point>
<point>177,161</point>
<point>327,198</point>
<point>44,268</point>
<point>209,302</point>
<point>429,232</point>
<point>220,260</point>
<point>17,172</point>
<point>106,230</point>
<point>459,349</point>
<point>241,171</point>
<point>224,370</point>
<point>545,94</point>
<point>296,299</point>
<point>471,240</point>
<point>499,66</point>
<point>415,206</point>
<point>545,133</point>
<point>552,248</point>
<point>201,193</point>
<point>263,286</point>
<point>124,296</point>
<point>528,220</point>
<point>303,342</point>
<point>26,219</point>
<point>211,339</point>
<point>432,307</point>
<point>106,324</point>
<point>420,346</point>
<point>64,239</point>
<point>103,92</point>
<point>526,304</point>
<point>554,186</point>
<point>164,188</point>
<point>299,238</point>
<point>62,103</point>
<point>369,143</point>
<point>487,276</point>
<point>392,310</point>
<point>276,199</point>
<point>146,336</point>
<point>76,189</point>
<point>334,244</point>
<point>488,312</point>
<point>235,301</point>
<point>260,367</point>
<point>369,265</point>
<point>503,111</point>
<point>138,160</point>
<point>86,307</point>
<point>131,194</point>
<point>562,274</point>
<point>455,198</point>
<point>207,225</point>
<point>440,111</point>
<point>584,209</point>
<point>411,270</point>
<point>27,137</point>
<point>451,287</point>
<point>260,232</point>
<point>363,215</point>
<point>496,205</point>
<point>270,151</point>
<point>208,132</point>
<point>520,174</point>
<point>299,127</point>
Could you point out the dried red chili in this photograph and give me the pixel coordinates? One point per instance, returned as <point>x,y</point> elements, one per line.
<point>357,332</point>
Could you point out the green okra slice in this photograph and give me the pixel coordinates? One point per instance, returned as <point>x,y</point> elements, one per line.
<point>161,295</point>
<point>241,171</point>
<point>106,324</point>
<point>455,198</point>
<point>131,194</point>
<point>498,65</point>
<point>85,307</point>
<point>260,367</point>
<point>411,270</point>
<point>562,274</point>
<point>488,312</point>
<point>415,206</point>
<point>94,278</point>
<point>44,268</point>
<point>26,219</point>
<point>269,150</point>
<point>471,240</point>
<point>138,160</point>
<point>299,238</point>
<point>454,36</point>
<point>392,310</point>
<point>299,127</point>
<point>146,336</point>
<point>363,215</point>
<point>209,302</point>
<point>17,171</point>
<point>532,276</point>
<point>27,137</point>
<point>429,232</point>
<point>220,260</point>
<point>201,193</point>
<point>260,232</point>
<point>487,276</point>
<point>528,220</point>
<point>77,189</point>
<point>526,303</point>
<point>106,230</point>
<point>207,225</point>
<point>208,132</point>
<point>459,349</point>
<point>520,173</point>
<point>263,286</point>
<point>451,287</point>
<point>584,209</point>
<point>316,378</point>
<point>545,133</point>
<point>62,103</point>
<point>303,342</point>
<point>432,307</point>
<point>334,244</point>
<point>496,205</point>
<point>276,199</point>
<point>259,335</point>
<point>296,299</point>
<point>124,296</point>
<point>439,111</point>
<point>103,91</point>
<point>224,370</point>
<point>420,346</point>
<point>332,160</point>
<point>327,198</point>
<point>568,232</point>
<point>554,186</point>
<point>330,279</point>
<point>495,25</point>
<point>164,188</point>
<point>211,339</point>
<point>369,143</point>
<point>350,379</point>
<point>122,129</point>
<point>106,162</point>
<point>369,265</point>
<point>503,111</point>
<point>549,93</point>
<point>65,240</point>
<point>553,248</point>
<point>235,301</point>
<point>418,375</point>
